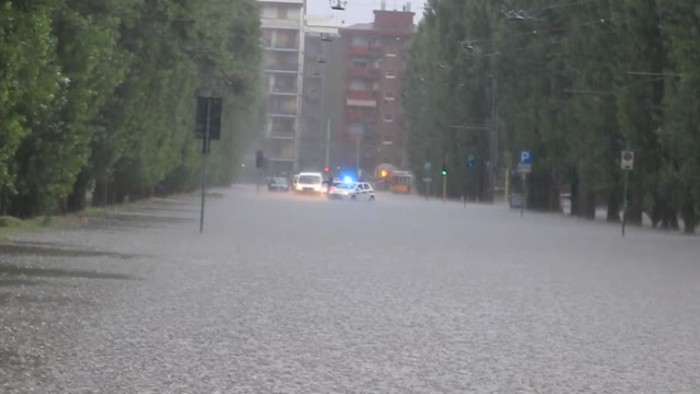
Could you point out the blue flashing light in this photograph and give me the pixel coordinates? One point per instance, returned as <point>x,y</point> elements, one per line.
<point>348,179</point>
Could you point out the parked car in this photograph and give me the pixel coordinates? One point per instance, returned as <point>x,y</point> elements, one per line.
<point>276,184</point>
<point>516,200</point>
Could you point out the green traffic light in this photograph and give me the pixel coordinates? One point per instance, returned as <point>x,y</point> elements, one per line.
<point>444,172</point>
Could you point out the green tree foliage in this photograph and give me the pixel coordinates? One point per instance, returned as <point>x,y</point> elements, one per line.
<point>98,96</point>
<point>576,83</point>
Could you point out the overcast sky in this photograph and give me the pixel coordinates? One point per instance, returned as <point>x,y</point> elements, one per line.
<point>360,11</point>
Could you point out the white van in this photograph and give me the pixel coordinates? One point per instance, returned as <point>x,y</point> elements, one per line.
<point>309,182</point>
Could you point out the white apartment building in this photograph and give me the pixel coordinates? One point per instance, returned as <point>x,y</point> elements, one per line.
<point>283,50</point>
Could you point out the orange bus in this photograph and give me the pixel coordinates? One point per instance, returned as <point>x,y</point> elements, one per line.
<point>401,182</point>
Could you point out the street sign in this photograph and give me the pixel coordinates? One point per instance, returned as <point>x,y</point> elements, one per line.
<point>524,168</point>
<point>427,166</point>
<point>427,179</point>
<point>259,159</point>
<point>207,128</point>
<point>208,118</point>
<point>525,162</point>
<point>525,157</point>
<point>627,160</point>
<point>471,162</point>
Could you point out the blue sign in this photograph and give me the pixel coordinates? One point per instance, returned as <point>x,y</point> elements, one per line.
<point>525,157</point>
<point>471,162</point>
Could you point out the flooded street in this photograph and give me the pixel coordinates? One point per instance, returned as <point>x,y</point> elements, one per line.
<point>289,294</point>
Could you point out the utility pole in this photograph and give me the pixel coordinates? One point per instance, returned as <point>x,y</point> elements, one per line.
<point>626,164</point>
<point>205,152</point>
<point>357,151</point>
<point>208,128</point>
<point>493,141</point>
<point>322,62</point>
<point>444,182</point>
<point>328,143</point>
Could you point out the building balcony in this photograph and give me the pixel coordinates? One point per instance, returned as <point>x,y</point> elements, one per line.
<point>271,23</point>
<point>357,50</point>
<point>361,95</point>
<point>286,68</point>
<point>283,91</point>
<point>282,48</point>
<point>281,135</point>
<point>366,50</point>
<point>355,115</point>
<point>364,72</point>
<point>361,103</point>
<point>280,114</point>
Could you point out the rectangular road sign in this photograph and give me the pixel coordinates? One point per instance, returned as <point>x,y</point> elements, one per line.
<point>525,157</point>
<point>524,168</point>
<point>208,116</point>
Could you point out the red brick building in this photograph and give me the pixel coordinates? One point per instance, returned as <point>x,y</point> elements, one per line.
<point>375,56</point>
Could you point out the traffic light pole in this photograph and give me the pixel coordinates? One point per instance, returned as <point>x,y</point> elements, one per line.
<point>624,200</point>
<point>444,188</point>
<point>626,164</point>
<point>524,194</point>
<point>205,152</point>
<point>328,143</point>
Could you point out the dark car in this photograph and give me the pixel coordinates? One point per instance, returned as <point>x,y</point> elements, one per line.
<point>277,184</point>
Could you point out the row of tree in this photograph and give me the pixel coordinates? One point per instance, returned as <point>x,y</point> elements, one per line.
<point>575,82</point>
<point>97,97</point>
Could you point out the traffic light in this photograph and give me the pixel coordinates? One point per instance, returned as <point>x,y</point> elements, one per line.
<point>444,171</point>
<point>259,159</point>
<point>326,170</point>
<point>384,173</point>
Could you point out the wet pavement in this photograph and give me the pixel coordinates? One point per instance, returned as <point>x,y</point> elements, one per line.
<point>290,294</point>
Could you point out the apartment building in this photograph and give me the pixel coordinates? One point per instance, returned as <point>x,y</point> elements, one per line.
<point>375,62</point>
<point>282,24</point>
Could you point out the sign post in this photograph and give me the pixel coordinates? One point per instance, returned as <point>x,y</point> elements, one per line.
<point>427,166</point>
<point>259,164</point>
<point>524,168</point>
<point>627,165</point>
<point>207,127</point>
<point>444,182</point>
<point>469,166</point>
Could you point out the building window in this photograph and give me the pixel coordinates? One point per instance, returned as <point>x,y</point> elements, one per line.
<point>269,12</point>
<point>391,52</point>
<point>391,74</point>
<point>359,62</point>
<point>359,41</point>
<point>389,95</point>
<point>287,40</point>
<point>356,128</point>
<point>388,117</point>
<point>358,84</point>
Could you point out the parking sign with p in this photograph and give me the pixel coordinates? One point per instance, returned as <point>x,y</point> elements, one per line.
<point>525,161</point>
<point>525,157</point>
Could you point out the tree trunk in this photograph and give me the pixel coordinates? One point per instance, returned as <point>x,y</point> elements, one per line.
<point>104,194</point>
<point>690,216</point>
<point>589,213</point>
<point>574,193</point>
<point>76,200</point>
<point>634,215</point>
<point>613,214</point>
<point>656,214</point>
<point>671,220</point>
